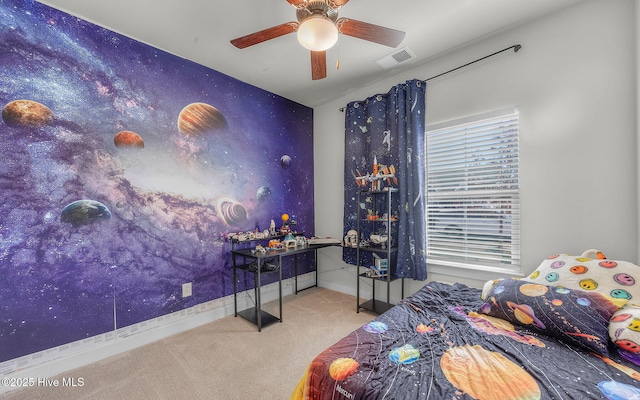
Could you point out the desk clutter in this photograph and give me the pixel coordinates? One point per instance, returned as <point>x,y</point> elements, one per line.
<point>257,234</point>
<point>289,242</point>
<point>274,242</point>
<point>279,239</point>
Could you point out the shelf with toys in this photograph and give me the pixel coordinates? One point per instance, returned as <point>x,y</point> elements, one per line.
<point>375,236</point>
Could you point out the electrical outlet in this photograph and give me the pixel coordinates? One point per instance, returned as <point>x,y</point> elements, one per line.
<point>187,289</point>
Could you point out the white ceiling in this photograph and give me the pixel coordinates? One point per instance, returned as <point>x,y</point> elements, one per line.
<point>200,30</point>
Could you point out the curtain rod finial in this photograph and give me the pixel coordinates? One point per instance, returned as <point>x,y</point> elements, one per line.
<point>516,48</point>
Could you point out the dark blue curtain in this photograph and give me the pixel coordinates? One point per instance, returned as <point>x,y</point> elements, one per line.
<point>390,129</point>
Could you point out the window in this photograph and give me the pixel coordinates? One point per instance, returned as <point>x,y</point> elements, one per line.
<point>473,203</point>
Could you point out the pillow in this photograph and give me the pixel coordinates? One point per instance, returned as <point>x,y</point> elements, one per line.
<point>488,286</point>
<point>575,317</point>
<point>624,329</point>
<point>619,281</point>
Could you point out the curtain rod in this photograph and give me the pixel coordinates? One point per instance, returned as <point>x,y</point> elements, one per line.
<point>515,48</point>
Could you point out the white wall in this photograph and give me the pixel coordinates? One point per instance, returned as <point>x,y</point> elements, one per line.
<point>574,81</point>
<point>637,15</point>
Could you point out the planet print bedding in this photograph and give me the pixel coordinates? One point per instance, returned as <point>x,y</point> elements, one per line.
<point>441,343</point>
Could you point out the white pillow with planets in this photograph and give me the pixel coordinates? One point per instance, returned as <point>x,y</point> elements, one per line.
<point>617,280</point>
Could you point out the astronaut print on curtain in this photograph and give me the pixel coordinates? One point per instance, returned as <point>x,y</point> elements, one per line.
<point>388,129</point>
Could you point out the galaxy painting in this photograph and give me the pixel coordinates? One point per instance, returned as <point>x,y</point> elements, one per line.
<point>123,170</point>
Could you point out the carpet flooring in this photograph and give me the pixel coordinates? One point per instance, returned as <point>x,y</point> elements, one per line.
<point>227,359</point>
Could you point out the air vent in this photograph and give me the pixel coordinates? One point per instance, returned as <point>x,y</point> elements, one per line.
<point>394,59</point>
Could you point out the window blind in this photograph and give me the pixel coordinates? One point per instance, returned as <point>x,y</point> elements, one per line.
<point>473,199</point>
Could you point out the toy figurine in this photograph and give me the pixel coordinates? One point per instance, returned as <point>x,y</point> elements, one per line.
<point>301,240</point>
<point>379,173</point>
<point>351,239</point>
<point>284,229</point>
<point>289,241</point>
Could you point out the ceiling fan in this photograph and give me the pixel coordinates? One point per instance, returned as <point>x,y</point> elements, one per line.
<point>318,27</point>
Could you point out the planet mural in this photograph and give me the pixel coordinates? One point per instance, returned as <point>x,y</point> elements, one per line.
<point>263,193</point>
<point>128,139</point>
<point>82,212</point>
<point>198,118</point>
<point>26,113</point>
<point>230,210</point>
<point>285,161</point>
<point>89,228</point>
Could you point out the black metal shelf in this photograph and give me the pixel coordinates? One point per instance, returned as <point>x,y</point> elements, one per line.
<point>381,199</point>
<point>385,190</point>
<point>378,249</point>
<point>376,306</point>
<point>251,314</point>
<point>382,278</point>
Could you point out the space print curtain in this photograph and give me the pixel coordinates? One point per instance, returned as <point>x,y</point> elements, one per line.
<point>388,130</point>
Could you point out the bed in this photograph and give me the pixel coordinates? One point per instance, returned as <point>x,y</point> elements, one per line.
<point>526,339</point>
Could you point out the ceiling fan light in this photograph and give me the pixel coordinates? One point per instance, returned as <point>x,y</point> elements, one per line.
<point>318,33</point>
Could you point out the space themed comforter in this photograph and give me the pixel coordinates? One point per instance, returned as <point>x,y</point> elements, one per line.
<point>436,344</point>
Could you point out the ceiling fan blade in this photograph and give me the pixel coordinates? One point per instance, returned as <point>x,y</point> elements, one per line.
<point>264,35</point>
<point>297,3</point>
<point>318,65</point>
<point>373,33</point>
<point>336,3</point>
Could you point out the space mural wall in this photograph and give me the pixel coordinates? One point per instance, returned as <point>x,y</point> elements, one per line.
<point>122,170</point>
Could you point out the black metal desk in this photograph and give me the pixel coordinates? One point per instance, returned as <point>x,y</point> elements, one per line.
<point>258,266</point>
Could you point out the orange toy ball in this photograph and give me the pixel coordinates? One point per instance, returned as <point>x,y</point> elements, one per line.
<point>285,217</point>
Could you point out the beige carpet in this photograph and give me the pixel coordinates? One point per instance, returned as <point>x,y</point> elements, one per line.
<point>224,360</point>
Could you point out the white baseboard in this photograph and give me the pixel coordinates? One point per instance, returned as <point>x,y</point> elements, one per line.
<point>57,360</point>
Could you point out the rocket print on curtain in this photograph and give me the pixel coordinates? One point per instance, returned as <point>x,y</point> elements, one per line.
<point>123,170</point>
